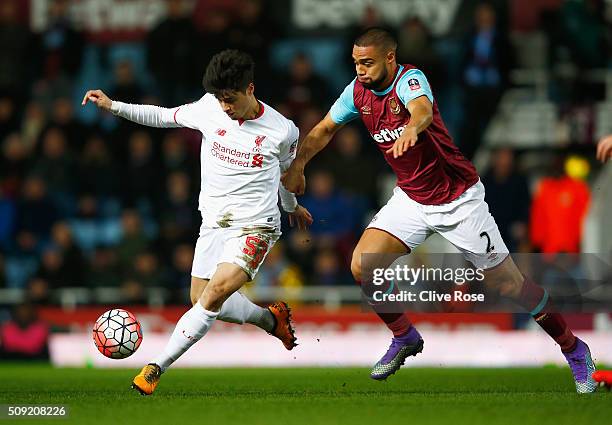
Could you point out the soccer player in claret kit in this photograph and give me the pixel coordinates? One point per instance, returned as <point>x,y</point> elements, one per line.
<point>245,147</point>
<point>438,190</point>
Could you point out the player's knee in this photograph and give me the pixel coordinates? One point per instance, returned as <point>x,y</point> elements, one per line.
<point>215,294</point>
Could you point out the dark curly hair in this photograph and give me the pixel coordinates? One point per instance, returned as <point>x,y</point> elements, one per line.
<point>229,70</point>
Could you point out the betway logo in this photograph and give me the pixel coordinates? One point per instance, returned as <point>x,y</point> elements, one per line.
<point>385,135</point>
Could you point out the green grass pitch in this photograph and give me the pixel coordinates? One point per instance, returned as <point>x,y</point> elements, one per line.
<point>307,396</point>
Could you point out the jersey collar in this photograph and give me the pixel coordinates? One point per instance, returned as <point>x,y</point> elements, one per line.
<point>388,89</point>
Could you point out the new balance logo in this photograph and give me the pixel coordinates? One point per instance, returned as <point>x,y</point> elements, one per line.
<point>385,135</point>
<point>220,132</point>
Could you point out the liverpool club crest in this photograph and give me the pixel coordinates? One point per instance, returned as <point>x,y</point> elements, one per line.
<point>394,106</point>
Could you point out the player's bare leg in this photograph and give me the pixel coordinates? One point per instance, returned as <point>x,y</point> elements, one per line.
<point>510,282</point>
<point>193,325</point>
<point>406,339</point>
<point>275,319</point>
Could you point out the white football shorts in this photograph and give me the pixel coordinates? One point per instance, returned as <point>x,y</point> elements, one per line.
<point>246,247</point>
<point>465,222</point>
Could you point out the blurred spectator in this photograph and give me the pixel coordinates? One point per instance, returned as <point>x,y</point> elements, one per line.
<point>21,260</point>
<point>487,62</point>
<point>277,270</point>
<point>334,212</point>
<point>127,88</point>
<point>415,46</point>
<point>370,18</point>
<point>175,157</point>
<point>7,220</point>
<point>133,292</point>
<point>557,214</point>
<point>303,88</point>
<point>36,211</point>
<point>16,56</point>
<point>54,270</point>
<point>61,45</point>
<point>508,197</point>
<point>178,277</point>
<point>103,268</point>
<point>179,219</point>
<point>56,165</point>
<point>583,32</point>
<point>254,33</point>
<point>354,171</point>
<point>13,165</point>
<point>32,125</point>
<point>328,270</point>
<point>38,291</point>
<point>146,270</point>
<point>172,52</point>
<point>307,119</point>
<point>300,250</point>
<point>62,118</point>
<point>141,173</point>
<point>61,236</point>
<point>9,118</point>
<point>214,33</point>
<point>25,336</point>
<point>133,240</point>
<point>98,172</point>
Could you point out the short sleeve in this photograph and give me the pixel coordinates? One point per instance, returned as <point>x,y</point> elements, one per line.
<point>413,84</point>
<point>343,110</point>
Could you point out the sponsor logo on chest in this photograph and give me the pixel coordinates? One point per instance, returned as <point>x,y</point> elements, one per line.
<point>386,135</point>
<point>237,155</point>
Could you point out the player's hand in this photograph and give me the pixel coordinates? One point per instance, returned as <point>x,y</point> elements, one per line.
<point>300,217</point>
<point>98,98</point>
<point>294,181</point>
<point>604,148</point>
<point>407,140</point>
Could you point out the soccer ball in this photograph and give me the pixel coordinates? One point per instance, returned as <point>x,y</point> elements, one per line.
<point>117,334</point>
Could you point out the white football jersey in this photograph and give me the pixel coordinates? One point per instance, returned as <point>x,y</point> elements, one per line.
<point>241,161</point>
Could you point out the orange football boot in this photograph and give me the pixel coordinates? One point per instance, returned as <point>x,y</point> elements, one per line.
<point>148,378</point>
<point>283,329</point>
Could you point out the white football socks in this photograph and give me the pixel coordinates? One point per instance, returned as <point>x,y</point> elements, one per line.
<point>239,309</point>
<point>191,327</point>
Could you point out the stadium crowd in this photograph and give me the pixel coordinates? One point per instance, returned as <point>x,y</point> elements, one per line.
<point>88,200</point>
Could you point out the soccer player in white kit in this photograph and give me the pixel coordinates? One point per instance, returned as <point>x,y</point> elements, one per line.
<point>245,147</point>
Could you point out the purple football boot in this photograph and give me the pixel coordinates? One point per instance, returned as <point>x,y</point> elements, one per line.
<point>409,344</point>
<point>581,364</point>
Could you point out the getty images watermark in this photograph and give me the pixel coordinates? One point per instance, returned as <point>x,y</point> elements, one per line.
<point>448,283</point>
<point>390,280</point>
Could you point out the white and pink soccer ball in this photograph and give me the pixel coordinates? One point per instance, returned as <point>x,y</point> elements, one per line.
<point>117,334</point>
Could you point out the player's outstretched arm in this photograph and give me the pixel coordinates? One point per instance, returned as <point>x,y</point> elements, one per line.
<point>149,115</point>
<point>604,148</point>
<point>293,179</point>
